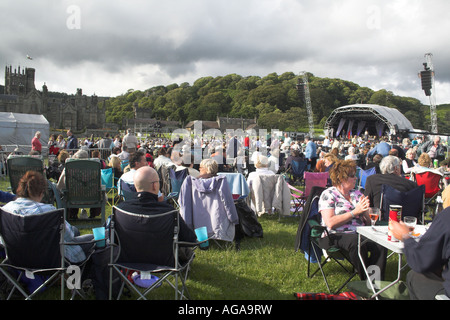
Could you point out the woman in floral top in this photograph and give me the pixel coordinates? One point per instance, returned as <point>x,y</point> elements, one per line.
<point>343,209</point>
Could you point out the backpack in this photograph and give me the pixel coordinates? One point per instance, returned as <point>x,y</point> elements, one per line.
<point>248,221</point>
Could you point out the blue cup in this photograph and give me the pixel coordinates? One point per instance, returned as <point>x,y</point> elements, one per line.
<point>202,234</point>
<point>99,234</point>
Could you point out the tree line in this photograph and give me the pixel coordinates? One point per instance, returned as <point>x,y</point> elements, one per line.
<point>273,100</point>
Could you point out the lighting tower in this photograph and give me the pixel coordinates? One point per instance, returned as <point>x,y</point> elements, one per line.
<point>303,93</point>
<point>427,79</point>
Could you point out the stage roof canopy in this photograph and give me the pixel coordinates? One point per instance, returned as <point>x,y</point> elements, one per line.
<point>357,118</point>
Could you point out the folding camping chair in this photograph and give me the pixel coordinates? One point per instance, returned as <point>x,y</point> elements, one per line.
<point>108,180</point>
<point>412,202</point>
<point>297,200</point>
<point>18,165</point>
<point>308,234</point>
<point>212,207</point>
<point>165,185</point>
<point>33,246</point>
<point>83,186</point>
<point>127,190</point>
<point>363,174</point>
<point>433,188</point>
<point>268,192</point>
<point>319,179</point>
<point>159,256</point>
<point>295,171</point>
<point>123,164</point>
<point>238,184</point>
<point>176,180</point>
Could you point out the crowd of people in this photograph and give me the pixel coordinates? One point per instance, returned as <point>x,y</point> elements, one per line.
<point>343,208</point>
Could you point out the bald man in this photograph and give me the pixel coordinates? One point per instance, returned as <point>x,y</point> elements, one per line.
<point>146,181</point>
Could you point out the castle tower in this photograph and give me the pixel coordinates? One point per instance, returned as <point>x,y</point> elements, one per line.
<point>30,73</point>
<point>19,83</point>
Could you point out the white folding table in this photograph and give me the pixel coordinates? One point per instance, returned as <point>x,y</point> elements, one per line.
<point>379,234</point>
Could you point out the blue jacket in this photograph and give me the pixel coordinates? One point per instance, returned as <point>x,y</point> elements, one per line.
<point>382,148</point>
<point>72,142</point>
<point>6,197</point>
<point>310,150</point>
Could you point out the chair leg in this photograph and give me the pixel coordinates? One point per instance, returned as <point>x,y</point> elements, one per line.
<point>319,262</point>
<point>321,265</point>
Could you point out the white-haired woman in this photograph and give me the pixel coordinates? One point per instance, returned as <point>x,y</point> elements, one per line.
<point>262,167</point>
<point>208,168</point>
<point>410,162</point>
<point>351,154</point>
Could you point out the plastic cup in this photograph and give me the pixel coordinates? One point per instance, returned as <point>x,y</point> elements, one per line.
<point>99,234</point>
<point>410,222</point>
<point>202,234</point>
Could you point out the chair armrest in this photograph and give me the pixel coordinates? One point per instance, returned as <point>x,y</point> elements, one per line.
<point>316,228</point>
<point>93,241</point>
<point>192,244</point>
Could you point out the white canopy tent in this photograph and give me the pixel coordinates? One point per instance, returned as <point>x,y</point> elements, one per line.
<point>19,128</point>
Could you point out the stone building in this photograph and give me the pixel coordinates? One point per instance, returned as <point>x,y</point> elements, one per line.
<point>62,111</point>
<point>224,123</point>
<point>144,123</point>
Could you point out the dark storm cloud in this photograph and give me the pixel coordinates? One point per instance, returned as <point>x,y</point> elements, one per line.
<point>378,44</point>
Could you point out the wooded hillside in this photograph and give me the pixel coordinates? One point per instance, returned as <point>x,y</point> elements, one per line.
<point>272,99</point>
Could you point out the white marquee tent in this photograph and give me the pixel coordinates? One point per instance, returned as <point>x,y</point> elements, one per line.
<point>19,128</point>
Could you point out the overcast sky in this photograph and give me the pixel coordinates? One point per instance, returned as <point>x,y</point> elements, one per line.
<point>108,47</point>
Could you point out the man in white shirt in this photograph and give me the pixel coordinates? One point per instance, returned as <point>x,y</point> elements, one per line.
<point>287,139</point>
<point>137,160</point>
<point>129,142</point>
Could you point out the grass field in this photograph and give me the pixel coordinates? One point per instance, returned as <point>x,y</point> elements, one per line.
<point>265,268</point>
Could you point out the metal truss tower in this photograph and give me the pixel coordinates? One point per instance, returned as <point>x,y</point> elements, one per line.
<point>303,91</point>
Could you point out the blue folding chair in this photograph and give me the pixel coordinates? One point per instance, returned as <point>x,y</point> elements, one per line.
<point>363,174</point>
<point>176,179</point>
<point>296,171</point>
<point>127,191</point>
<point>108,178</point>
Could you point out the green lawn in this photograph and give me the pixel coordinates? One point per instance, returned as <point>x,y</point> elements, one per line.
<point>265,268</point>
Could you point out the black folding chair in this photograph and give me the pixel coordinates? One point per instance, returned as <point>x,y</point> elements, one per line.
<point>34,245</point>
<point>412,202</point>
<point>148,244</point>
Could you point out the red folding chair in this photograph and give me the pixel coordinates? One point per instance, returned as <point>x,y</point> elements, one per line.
<point>433,188</point>
<point>314,179</point>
